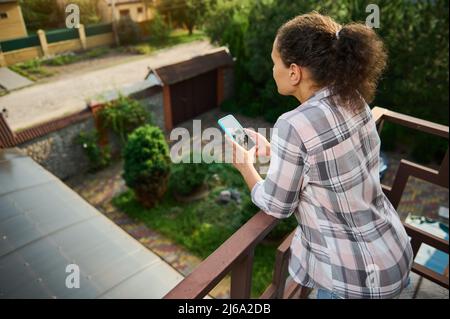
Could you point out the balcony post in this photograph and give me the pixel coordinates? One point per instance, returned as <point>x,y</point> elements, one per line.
<point>241,277</point>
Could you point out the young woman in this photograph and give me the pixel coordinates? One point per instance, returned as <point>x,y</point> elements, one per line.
<point>324,168</point>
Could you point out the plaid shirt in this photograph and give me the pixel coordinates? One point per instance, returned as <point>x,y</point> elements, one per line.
<point>325,168</point>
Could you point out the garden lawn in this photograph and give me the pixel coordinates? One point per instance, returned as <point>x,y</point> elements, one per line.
<point>178,36</point>
<point>202,226</point>
<point>37,68</point>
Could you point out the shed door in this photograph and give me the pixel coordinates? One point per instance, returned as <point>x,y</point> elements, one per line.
<point>194,96</point>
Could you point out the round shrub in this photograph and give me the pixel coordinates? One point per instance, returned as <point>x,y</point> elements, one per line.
<point>128,31</point>
<point>158,29</point>
<point>147,164</point>
<point>186,178</point>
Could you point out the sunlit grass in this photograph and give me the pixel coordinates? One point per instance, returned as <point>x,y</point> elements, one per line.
<point>202,226</point>
<point>178,36</point>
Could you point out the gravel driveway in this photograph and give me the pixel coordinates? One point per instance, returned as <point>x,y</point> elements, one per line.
<point>41,102</point>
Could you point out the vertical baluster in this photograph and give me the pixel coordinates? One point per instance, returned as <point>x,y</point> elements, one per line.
<point>241,277</point>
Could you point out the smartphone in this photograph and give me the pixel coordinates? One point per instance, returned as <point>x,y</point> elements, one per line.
<point>234,129</point>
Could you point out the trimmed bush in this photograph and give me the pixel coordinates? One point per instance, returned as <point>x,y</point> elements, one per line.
<point>128,31</point>
<point>147,164</point>
<point>186,178</point>
<point>158,29</point>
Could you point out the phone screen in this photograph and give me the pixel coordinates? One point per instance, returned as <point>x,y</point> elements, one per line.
<point>234,129</point>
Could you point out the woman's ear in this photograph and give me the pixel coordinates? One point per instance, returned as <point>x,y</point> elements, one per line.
<point>295,74</point>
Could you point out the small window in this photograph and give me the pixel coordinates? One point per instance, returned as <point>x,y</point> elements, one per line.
<point>3,15</point>
<point>140,10</point>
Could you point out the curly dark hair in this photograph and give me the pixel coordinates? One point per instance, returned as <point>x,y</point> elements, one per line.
<point>349,62</point>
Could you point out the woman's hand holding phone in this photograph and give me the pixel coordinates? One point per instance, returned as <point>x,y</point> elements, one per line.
<point>262,144</point>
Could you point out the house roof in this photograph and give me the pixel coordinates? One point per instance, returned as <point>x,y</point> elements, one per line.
<point>45,226</point>
<point>187,69</point>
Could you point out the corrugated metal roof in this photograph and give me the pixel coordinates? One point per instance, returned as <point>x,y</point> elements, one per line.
<point>177,72</point>
<point>45,226</point>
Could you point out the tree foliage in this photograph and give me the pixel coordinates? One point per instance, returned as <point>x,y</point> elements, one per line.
<point>184,13</point>
<point>415,33</point>
<point>50,14</point>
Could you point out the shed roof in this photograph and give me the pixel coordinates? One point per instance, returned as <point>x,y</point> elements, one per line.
<point>177,72</point>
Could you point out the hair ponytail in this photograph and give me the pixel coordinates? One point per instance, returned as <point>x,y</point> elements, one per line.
<point>359,60</point>
<point>348,59</point>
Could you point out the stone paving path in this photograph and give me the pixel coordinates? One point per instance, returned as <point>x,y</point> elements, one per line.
<point>420,198</point>
<point>11,80</point>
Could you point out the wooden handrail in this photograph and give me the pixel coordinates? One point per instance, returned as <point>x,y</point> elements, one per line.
<point>380,114</point>
<point>233,251</point>
<point>419,237</point>
<point>407,169</point>
<point>426,238</point>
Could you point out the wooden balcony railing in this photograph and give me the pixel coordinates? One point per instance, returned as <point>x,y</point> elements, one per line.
<point>407,169</point>
<point>236,254</point>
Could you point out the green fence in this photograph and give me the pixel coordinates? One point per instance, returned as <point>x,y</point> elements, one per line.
<point>61,35</point>
<point>53,36</point>
<point>19,43</point>
<point>98,29</point>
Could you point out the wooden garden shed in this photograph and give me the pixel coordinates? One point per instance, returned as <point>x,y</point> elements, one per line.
<point>193,86</point>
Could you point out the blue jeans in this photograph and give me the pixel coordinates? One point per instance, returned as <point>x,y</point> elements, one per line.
<point>326,294</point>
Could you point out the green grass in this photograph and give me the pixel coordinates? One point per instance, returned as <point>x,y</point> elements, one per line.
<point>36,69</point>
<point>182,36</point>
<point>70,58</point>
<point>32,69</point>
<point>63,59</point>
<point>97,52</point>
<point>178,36</point>
<point>202,226</point>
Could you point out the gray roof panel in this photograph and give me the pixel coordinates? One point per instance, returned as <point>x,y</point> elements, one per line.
<point>45,226</point>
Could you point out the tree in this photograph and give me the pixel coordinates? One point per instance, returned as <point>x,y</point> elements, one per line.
<point>50,14</point>
<point>89,11</point>
<point>416,36</point>
<point>42,14</point>
<point>186,13</point>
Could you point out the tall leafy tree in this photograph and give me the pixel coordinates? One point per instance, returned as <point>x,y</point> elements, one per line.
<point>50,14</point>
<point>42,14</point>
<point>185,13</point>
<point>415,34</point>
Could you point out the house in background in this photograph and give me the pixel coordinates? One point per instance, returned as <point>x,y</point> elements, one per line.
<point>137,10</point>
<point>12,24</point>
